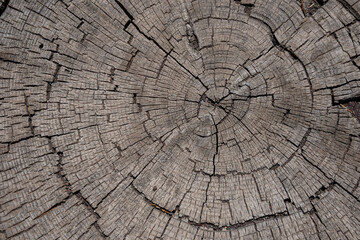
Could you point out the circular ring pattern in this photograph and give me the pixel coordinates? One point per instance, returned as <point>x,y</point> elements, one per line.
<point>179,119</point>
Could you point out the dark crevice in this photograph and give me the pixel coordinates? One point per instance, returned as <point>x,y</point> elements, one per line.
<point>53,207</point>
<point>206,197</point>
<point>192,38</point>
<point>127,24</point>
<point>289,159</point>
<point>356,185</point>
<point>82,40</point>
<point>134,98</point>
<point>304,139</point>
<point>80,24</point>
<point>112,74</point>
<point>321,191</point>
<point>166,225</point>
<point>316,225</point>
<point>54,80</point>
<point>30,114</point>
<point>258,96</point>
<point>350,9</point>
<point>351,104</point>
<point>110,192</point>
<point>4,6</point>
<point>297,59</point>
<point>236,173</point>
<point>224,97</point>
<point>162,65</point>
<point>139,106</point>
<point>347,100</point>
<point>332,180</point>
<point>125,10</point>
<point>131,21</point>
<point>248,5</point>
<point>314,211</point>
<point>131,60</point>
<point>334,35</point>
<point>61,174</point>
<point>354,109</point>
<point>347,191</point>
<point>248,8</point>
<point>354,63</point>
<point>92,211</point>
<point>321,2</point>
<point>291,53</point>
<point>177,209</point>
<point>239,225</point>
<point>285,116</point>
<point>154,205</point>
<point>27,138</point>
<point>299,147</point>
<point>9,61</point>
<point>83,201</point>
<point>52,51</point>
<point>162,49</point>
<point>274,167</point>
<point>313,7</point>
<point>217,145</point>
<point>288,202</point>
<point>336,86</point>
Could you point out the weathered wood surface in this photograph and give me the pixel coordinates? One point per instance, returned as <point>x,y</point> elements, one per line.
<point>203,119</point>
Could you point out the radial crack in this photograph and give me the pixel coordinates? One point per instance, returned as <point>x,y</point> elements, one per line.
<point>299,148</point>
<point>61,174</point>
<point>54,80</point>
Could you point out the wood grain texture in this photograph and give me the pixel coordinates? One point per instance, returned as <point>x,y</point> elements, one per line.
<point>191,119</point>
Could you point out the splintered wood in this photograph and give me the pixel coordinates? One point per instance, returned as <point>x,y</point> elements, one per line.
<point>191,119</point>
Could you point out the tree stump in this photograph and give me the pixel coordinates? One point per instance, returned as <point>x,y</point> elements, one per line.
<point>191,119</point>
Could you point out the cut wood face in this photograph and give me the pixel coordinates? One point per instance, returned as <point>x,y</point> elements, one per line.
<point>182,119</point>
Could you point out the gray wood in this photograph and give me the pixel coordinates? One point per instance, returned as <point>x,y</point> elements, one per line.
<point>152,119</point>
